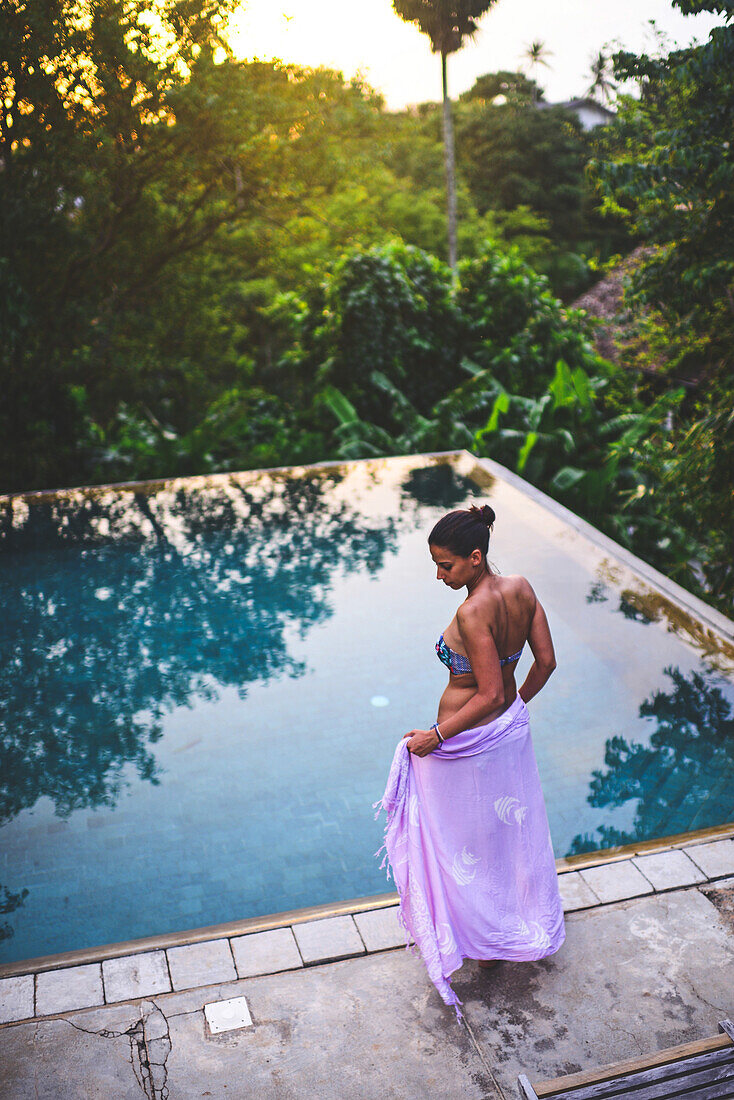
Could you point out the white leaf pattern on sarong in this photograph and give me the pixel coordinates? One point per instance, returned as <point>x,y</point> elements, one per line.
<point>463,870</point>
<point>402,857</point>
<point>509,806</point>
<point>413,810</point>
<point>445,938</point>
<point>539,938</point>
<point>424,934</point>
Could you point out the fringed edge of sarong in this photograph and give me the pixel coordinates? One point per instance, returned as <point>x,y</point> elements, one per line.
<point>454,1002</point>
<point>411,948</point>
<point>383,846</point>
<point>443,987</point>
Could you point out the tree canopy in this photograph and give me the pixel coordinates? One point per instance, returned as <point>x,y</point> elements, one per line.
<point>213,264</point>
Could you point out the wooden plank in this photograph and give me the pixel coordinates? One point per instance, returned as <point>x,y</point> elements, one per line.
<point>713,1090</point>
<point>527,1092</point>
<point>555,1085</point>
<point>681,1078</point>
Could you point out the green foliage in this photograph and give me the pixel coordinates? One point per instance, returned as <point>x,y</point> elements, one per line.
<point>389,310</point>
<point>668,166</point>
<point>516,326</point>
<point>517,88</point>
<point>208,264</point>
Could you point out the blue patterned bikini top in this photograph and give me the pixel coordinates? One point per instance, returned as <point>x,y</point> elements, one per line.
<point>458,663</point>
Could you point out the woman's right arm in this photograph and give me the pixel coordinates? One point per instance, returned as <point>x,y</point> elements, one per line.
<point>541,644</point>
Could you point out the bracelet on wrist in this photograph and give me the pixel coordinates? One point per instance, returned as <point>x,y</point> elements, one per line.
<point>439,735</point>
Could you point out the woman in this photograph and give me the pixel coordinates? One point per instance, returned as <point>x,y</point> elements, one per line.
<point>467,834</point>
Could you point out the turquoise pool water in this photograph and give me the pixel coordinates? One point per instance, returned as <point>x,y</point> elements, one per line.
<point>203,682</point>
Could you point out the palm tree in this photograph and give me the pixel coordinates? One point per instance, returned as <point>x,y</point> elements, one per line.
<point>601,74</point>
<point>536,54</point>
<point>447,23</point>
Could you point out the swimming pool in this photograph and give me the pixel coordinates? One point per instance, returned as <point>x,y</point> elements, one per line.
<point>203,682</point>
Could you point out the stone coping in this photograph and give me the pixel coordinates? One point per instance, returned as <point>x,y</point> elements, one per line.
<point>41,988</point>
<point>288,918</point>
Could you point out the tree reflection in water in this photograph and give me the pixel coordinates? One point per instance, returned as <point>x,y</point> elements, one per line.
<point>684,779</point>
<point>119,606</point>
<point>9,902</point>
<point>439,486</point>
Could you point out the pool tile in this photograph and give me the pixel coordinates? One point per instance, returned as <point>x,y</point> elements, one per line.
<point>70,988</point>
<point>327,939</point>
<point>575,892</point>
<point>379,928</point>
<point>265,952</point>
<point>135,976</point>
<point>197,964</point>
<point>715,858</point>
<point>16,998</point>
<point>667,870</point>
<point>616,881</point>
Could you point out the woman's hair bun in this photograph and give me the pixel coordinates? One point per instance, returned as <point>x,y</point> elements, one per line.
<point>464,530</point>
<point>485,513</point>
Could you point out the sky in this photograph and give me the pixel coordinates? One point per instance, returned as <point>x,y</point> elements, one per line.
<point>368,39</point>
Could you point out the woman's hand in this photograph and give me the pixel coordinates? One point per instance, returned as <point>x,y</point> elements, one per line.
<point>422,741</point>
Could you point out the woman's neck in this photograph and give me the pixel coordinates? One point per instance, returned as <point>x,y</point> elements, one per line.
<point>472,584</point>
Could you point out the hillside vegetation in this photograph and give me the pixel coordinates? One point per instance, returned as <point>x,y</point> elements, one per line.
<point>208,264</point>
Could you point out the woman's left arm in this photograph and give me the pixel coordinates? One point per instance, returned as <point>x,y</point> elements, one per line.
<point>490,694</point>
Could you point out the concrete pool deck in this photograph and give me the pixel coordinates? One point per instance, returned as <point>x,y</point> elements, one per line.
<point>339,1009</point>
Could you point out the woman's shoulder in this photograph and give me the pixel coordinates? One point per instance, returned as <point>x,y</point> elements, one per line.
<point>515,582</point>
<point>513,588</point>
<point>520,592</point>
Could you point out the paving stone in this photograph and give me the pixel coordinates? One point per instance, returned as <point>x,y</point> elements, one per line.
<point>265,952</point>
<point>715,859</point>
<point>631,979</point>
<point>70,988</point>
<point>575,892</point>
<point>667,870</point>
<point>16,998</point>
<point>197,964</point>
<point>135,976</point>
<point>616,881</point>
<point>605,996</point>
<point>328,938</point>
<point>379,928</point>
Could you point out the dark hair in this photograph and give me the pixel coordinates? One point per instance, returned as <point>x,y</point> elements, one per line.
<point>464,530</point>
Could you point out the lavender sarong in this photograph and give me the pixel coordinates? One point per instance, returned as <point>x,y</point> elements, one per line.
<point>468,841</point>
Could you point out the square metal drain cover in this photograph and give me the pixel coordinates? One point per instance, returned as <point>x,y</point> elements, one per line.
<point>227,1015</point>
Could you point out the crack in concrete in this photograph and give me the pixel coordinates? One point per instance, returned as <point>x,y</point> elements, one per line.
<point>35,1067</point>
<point>148,1036</point>
<point>630,1035</point>
<point>483,1060</point>
<point>717,1009</point>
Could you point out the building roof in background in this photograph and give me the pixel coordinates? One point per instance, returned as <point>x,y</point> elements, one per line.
<point>589,111</point>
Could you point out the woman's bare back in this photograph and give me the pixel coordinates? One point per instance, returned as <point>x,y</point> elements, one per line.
<point>510,611</point>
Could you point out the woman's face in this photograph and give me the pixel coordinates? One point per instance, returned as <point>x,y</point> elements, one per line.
<point>453,570</point>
